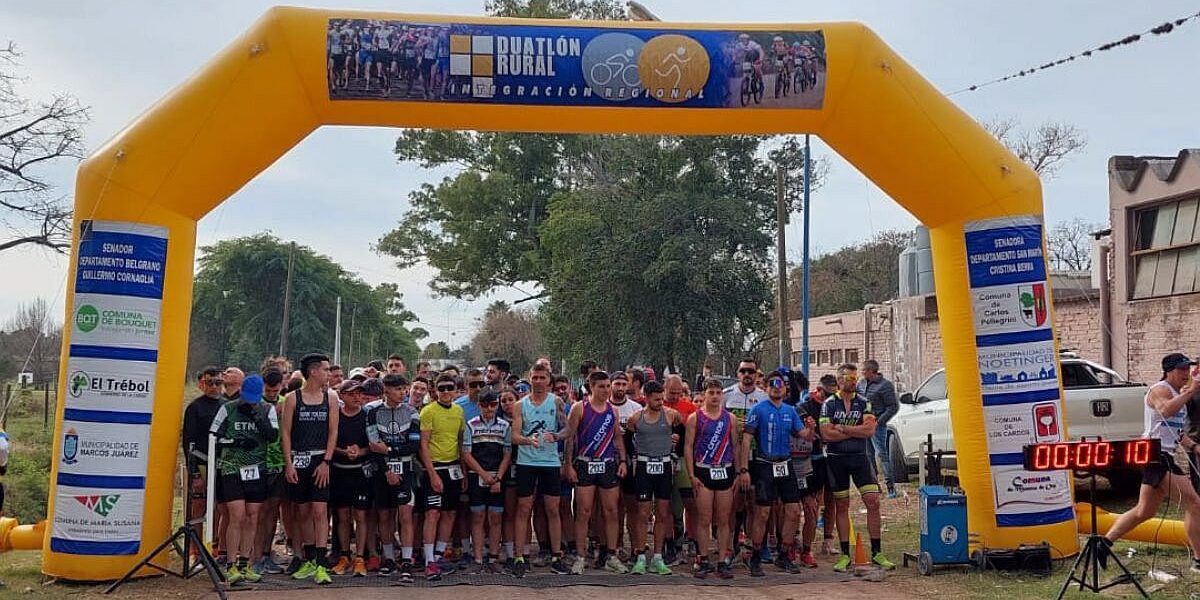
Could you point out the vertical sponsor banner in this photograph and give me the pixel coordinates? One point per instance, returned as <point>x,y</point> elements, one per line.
<point>109,389</point>
<point>1018,369</point>
<point>575,66</point>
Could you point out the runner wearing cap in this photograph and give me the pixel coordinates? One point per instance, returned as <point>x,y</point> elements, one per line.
<point>350,490</point>
<point>655,430</point>
<point>487,453</point>
<point>310,426</point>
<point>596,462</point>
<point>394,430</point>
<point>508,404</point>
<point>709,453</point>
<point>1166,420</point>
<point>243,428</point>
<point>772,425</point>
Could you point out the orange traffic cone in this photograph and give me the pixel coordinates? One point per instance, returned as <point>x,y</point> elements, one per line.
<point>860,553</point>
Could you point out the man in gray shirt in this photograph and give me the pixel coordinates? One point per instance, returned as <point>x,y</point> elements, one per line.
<point>882,395</point>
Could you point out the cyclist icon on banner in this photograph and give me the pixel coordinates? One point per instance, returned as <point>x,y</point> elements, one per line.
<point>610,66</point>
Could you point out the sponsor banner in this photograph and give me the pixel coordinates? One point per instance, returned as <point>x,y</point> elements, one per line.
<point>1011,427</point>
<point>120,321</point>
<point>1013,368</point>
<point>1005,251</point>
<point>85,516</point>
<point>574,66</point>
<point>126,259</point>
<point>116,449</point>
<point>1011,309</point>
<point>110,385</point>
<point>1040,497</point>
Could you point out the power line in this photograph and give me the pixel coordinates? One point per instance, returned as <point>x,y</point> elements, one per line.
<point>1162,29</point>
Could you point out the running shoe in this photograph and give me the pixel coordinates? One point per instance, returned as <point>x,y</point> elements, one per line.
<point>725,570</point>
<point>386,567</point>
<point>785,564</point>
<point>360,567</point>
<point>321,576</point>
<point>659,567</point>
<point>578,565</point>
<point>433,572</point>
<point>756,565</point>
<point>519,568</point>
<point>494,568</point>
<point>615,565</point>
<point>765,555</point>
<point>341,566</point>
<point>249,575</point>
<point>294,566</point>
<point>842,564</point>
<point>447,566</point>
<point>828,548</point>
<point>639,566</point>
<point>472,568</point>
<point>268,566</point>
<point>374,562</point>
<point>558,567</point>
<point>406,569</point>
<point>882,561</point>
<point>306,570</point>
<point>541,559</point>
<point>807,559</point>
<point>233,575</point>
<point>703,570</point>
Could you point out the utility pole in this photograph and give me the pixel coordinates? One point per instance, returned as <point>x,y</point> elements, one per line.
<point>353,315</point>
<point>337,333</point>
<point>785,340</point>
<point>804,260</point>
<point>287,302</point>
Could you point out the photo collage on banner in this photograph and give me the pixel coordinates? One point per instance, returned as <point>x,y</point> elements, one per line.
<point>1017,369</point>
<point>115,329</point>
<point>574,66</point>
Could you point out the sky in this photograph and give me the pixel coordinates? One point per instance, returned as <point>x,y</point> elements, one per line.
<point>118,58</point>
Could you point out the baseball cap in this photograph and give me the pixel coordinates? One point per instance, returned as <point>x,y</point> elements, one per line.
<point>618,375</point>
<point>372,387</point>
<point>358,373</point>
<point>350,385</point>
<point>252,389</point>
<point>1169,362</point>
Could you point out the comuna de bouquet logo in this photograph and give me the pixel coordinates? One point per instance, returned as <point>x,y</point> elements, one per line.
<point>87,318</point>
<point>101,504</point>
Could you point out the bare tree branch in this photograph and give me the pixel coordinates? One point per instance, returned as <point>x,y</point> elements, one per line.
<point>34,135</point>
<point>1070,245</point>
<point>1043,149</point>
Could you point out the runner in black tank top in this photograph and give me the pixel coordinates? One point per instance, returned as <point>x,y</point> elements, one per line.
<point>310,421</point>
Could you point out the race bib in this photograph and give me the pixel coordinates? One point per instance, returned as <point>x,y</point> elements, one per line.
<point>779,469</point>
<point>654,467</point>
<point>249,473</point>
<point>396,467</point>
<point>512,471</point>
<point>456,473</point>
<point>718,473</point>
<point>596,467</point>
<point>779,64</point>
<point>301,461</point>
<point>747,67</point>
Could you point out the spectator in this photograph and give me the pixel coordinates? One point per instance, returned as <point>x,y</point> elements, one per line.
<point>882,395</point>
<point>232,379</point>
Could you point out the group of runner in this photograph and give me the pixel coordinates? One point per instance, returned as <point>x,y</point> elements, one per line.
<point>487,463</point>
<point>378,55</point>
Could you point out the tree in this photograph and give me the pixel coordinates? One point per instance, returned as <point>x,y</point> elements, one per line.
<point>34,340</point>
<point>511,334</point>
<point>436,351</point>
<point>34,135</point>
<point>237,307</point>
<point>853,276</point>
<point>1044,149</point>
<point>1070,244</point>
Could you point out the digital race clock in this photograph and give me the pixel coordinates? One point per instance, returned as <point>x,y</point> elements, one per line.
<point>1092,455</point>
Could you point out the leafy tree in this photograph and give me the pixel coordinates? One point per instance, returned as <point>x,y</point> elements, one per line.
<point>512,334</point>
<point>436,351</point>
<point>238,299</point>
<point>34,136</point>
<point>849,278</point>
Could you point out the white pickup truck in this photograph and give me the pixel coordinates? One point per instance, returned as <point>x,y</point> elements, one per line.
<point>1098,400</point>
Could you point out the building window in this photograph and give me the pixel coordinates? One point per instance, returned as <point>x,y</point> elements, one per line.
<point>1166,251</point>
<point>822,357</point>
<point>812,357</point>
<point>835,356</point>
<point>852,355</point>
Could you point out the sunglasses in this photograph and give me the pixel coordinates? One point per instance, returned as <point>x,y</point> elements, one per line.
<point>747,371</point>
<point>446,388</point>
<point>775,383</point>
<point>522,388</point>
<point>850,377</point>
<point>214,382</point>
<point>475,384</point>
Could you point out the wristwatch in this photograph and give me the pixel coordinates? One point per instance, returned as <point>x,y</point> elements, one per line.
<point>743,471</point>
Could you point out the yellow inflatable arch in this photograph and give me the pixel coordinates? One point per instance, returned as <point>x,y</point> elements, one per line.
<point>138,199</point>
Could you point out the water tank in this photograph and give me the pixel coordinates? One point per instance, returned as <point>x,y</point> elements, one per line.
<point>916,265</point>
<point>908,272</point>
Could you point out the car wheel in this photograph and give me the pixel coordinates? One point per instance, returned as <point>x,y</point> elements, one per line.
<point>896,454</point>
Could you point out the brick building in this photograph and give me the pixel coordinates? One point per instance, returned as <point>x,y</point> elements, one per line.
<point>1141,301</point>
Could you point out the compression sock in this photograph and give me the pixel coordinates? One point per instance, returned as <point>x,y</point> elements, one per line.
<point>846,548</point>
<point>310,551</point>
<point>876,546</point>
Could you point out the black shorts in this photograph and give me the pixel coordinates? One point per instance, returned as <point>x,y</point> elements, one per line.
<point>818,480</point>
<point>275,487</point>
<point>349,488</point>
<point>605,479</point>
<point>719,484</point>
<point>531,479</point>
<point>770,487</point>
<point>657,486</point>
<point>628,485</point>
<point>846,467</point>
<point>1155,472</point>
<point>482,497</point>
<point>401,494</point>
<point>452,489</point>
<point>305,489</point>
<point>232,487</point>
<point>339,59</point>
<point>382,57</point>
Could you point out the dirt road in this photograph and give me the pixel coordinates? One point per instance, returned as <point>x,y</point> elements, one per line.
<point>853,590</point>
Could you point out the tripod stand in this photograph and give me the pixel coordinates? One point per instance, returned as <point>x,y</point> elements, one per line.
<point>183,540</point>
<point>1097,551</point>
